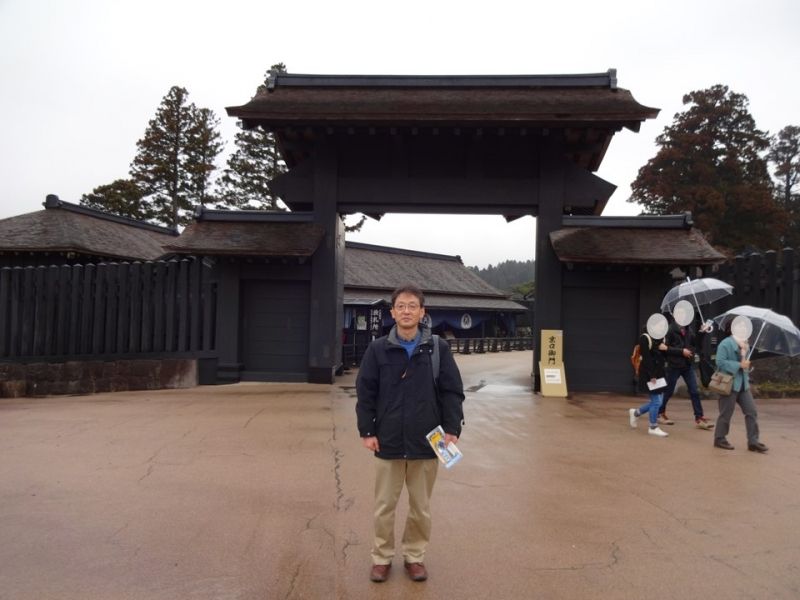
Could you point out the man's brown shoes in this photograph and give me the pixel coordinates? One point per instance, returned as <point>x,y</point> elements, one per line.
<point>416,571</point>
<point>379,573</point>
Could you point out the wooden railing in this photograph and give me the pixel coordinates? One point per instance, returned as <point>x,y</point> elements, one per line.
<point>352,353</point>
<point>489,344</point>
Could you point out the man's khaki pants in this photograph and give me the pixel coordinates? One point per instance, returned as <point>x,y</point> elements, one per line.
<point>419,477</point>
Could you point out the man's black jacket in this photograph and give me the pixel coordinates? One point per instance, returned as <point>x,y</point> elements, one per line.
<point>397,400</point>
<point>677,339</point>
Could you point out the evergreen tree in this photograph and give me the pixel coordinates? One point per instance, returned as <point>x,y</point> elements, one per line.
<point>355,226</point>
<point>710,162</point>
<point>121,197</point>
<point>203,147</point>
<point>244,183</point>
<point>784,155</point>
<point>172,165</point>
<point>512,276</point>
<point>524,290</point>
<point>254,163</point>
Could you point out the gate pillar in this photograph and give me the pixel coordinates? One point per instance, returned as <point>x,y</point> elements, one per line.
<point>548,267</point>
<point>327,272</point>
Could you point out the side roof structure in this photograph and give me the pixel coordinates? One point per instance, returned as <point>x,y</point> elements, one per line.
<point>71,228</point>
<point>642,240</point>
<point>249,233</point>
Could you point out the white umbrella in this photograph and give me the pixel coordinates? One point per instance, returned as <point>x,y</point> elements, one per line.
<point>773,332</point>
<point>701,291</point>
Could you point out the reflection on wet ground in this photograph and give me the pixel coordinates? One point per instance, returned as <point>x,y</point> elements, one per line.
<point>503,389</point>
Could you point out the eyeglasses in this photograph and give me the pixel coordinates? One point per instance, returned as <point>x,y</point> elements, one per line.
<point>402,307</point>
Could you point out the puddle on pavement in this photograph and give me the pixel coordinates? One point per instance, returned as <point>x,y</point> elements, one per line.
<point>496,388</point>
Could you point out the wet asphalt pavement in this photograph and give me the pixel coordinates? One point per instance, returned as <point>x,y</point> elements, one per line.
<point>264,491</point>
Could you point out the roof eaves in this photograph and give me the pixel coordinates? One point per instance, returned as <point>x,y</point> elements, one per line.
<point>253,216</point>
<point>684,221</point>
<point>403,251</point>
<point>662,260</point>
<point>605,80</point>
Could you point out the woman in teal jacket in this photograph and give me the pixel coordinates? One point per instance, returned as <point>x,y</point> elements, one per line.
<point>731,359</point>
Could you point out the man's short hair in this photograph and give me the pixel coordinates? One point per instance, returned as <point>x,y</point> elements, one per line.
<point>409,288</point>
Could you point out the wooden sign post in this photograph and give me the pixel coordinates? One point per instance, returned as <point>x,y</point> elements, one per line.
<point>552,375</point>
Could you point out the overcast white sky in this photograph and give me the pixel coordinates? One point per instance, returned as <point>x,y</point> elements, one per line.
<point>80,79</point>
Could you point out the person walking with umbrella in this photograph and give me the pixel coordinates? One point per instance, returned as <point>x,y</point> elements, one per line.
<point>733,358</point>
<point>775,334</point>
<point>681,349</point>
<point>682,342</point>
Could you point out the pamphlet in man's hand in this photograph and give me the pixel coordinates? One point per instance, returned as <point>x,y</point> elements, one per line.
<point>658,383</point>
<point>449,454</point>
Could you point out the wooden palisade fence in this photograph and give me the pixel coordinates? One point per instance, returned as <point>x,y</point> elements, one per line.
<point>107,310</point>
<point>761,280</point>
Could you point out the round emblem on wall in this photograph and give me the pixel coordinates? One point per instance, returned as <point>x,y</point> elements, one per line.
<point>466,321</point>
<point>426,320</point>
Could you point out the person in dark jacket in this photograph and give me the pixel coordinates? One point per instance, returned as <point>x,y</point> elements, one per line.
<point>681,349</point>
<point>651,370</point>
<point>399,403</point>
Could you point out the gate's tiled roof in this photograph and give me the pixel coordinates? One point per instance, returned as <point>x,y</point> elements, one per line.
<point>589,108</point>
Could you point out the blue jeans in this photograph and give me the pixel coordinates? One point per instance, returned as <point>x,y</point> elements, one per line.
<point>673,374</point>
<point>652,407</point>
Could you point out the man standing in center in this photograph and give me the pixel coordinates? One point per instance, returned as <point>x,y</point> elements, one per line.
<point>400,400</point>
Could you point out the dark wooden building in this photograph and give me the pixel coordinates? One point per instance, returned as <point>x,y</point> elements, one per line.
<point>262,265</point>
<point>458,303</point>
<point>509,145</point>
<point>515,146</point>
<point>254,268</point>
<point>615,272</point>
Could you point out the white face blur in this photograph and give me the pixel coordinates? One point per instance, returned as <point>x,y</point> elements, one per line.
<point>683,313</point>
<point>657,326</point>
<point>741,328</point>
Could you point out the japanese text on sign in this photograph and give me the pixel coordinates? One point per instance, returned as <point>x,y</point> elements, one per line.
<point>375,320</point>
<point>551,350</point>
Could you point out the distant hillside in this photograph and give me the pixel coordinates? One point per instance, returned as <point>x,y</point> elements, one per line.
<point>507,275</point>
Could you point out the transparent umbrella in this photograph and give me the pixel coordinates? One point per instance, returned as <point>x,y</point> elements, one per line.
<point>698,291</point>
<point>772,332</point>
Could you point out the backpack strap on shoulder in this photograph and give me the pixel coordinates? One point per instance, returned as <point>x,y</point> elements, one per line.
<point>435,360</point>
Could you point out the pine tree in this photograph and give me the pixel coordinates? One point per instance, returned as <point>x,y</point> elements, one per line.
<point>254,163</point>
<point>203,146</point>
<point>510,275</point>
<point>175,158</point>
<point>121,197</point>
<point>250,168</point>
<point>710,162</point>
<point>784,155</point>
<point>244,183</point>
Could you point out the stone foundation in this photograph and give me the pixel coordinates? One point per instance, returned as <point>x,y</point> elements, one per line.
<point>93,377</point>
